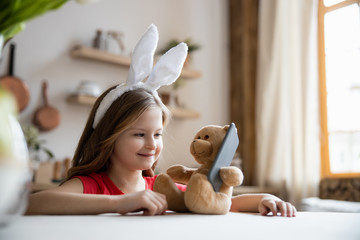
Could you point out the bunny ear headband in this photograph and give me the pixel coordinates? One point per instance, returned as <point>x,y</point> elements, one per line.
<point>165,72</point>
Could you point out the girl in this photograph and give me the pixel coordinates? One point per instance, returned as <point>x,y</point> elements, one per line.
<point>113,164</point>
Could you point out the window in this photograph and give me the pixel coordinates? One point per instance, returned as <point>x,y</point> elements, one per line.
<point>339,74</point>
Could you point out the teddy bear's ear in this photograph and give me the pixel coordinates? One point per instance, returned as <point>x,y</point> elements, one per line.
<point>226,127</point>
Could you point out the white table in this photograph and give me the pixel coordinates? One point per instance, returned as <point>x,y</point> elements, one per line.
<point>307,225</point>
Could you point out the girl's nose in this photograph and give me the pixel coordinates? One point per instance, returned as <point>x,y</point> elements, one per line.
<point>150,143</point>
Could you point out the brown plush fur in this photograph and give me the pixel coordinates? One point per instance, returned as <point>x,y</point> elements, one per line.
<point>200,196</point>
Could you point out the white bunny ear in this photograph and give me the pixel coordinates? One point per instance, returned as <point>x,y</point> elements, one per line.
<point>143,56</point>
<point>168,68</point>
<point>165,72</point>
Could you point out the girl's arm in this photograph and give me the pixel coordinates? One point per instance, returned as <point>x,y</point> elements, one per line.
<point>262,203</point>
<point>68,199</point>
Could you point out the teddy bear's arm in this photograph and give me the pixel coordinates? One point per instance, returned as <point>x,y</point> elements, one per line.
<point>231,176</point>
<point>180,174</point>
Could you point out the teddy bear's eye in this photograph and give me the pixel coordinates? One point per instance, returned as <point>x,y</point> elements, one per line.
<point>198,137</point>
<point>206,137</point>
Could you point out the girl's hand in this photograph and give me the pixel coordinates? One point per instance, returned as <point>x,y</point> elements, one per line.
<point>275,205</point>
<point>152,203</point>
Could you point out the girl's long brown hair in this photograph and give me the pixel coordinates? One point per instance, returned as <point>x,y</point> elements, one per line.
<point>96,145</point>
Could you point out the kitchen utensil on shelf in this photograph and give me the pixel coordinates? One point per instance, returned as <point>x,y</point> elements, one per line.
<point>14,84</point>
<point>46,117</point>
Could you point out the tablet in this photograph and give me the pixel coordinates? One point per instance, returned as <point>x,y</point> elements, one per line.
<point>224,156</point>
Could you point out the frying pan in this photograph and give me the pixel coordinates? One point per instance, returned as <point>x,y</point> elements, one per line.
<point>46,117</point>
<point>14,84</point>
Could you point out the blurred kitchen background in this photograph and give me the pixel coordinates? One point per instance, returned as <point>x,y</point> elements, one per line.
<point>260,64</point>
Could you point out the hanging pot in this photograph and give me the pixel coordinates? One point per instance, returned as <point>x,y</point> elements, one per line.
<point>46,117</point>
<point>14,84</point>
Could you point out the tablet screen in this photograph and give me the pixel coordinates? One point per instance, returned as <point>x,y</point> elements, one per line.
<point>224,156</point>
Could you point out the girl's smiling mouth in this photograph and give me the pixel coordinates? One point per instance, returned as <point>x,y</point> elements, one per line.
<point>146,154</point>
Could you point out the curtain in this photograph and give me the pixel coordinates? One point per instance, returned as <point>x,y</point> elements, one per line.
<point>288,130</point>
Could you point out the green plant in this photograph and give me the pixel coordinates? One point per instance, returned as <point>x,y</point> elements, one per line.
<point>172,43</point>
<point>35,145</point>
<point>178,83</point>
<point>191,48</point>
<point>14,14</point>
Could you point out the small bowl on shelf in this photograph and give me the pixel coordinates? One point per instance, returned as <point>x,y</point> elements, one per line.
<point>88,88</point>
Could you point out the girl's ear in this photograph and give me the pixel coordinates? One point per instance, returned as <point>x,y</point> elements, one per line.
<point>143,56</point>
<point>168,68</point>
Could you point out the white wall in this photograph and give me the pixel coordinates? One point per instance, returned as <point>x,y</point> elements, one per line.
<point>43,52</point>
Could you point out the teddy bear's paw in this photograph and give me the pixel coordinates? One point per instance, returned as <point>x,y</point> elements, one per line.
<point>200,197</point>
<point>174,196</point>
<point>231,176</point>
<point>179,173</point>
<point>175,172</point>
<point>176,168</point>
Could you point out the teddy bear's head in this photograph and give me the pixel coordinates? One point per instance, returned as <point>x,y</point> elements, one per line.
<point>207,143</point>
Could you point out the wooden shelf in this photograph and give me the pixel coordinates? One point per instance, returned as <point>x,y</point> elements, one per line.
<point>102,56</point>
<point>179,113</point>
<point>95,54</point>
<point>82,99</point>
<point>182,113</point>
<point>190,73</point>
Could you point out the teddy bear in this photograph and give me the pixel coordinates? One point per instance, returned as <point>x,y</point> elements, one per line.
<point>200,196</point>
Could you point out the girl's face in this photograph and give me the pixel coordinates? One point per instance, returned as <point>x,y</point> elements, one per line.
<point>138,147</point>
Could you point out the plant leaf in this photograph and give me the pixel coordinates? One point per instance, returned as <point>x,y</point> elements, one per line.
<point>49,153</point>
<point>14,12</point>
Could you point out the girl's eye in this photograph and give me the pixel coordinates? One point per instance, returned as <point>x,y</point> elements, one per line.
<point>139,134</point>
<point>158,135</point>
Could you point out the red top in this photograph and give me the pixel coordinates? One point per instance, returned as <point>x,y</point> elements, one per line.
<point>100,183</point>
